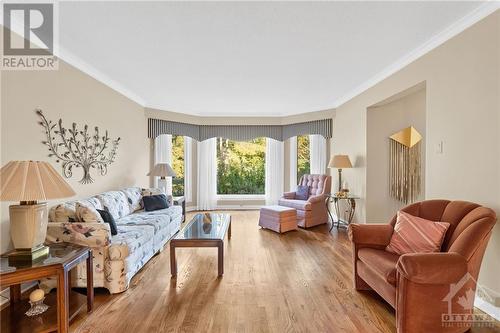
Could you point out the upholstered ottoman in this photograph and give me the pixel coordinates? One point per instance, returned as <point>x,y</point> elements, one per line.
<point>278,218</point>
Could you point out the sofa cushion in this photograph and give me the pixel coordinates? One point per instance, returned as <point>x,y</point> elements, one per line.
<point>380,261</point>
<point>134,197</point>
<point>87,213</point>
<point>414,234</point>
<point>158,221</point>
<point>297,204</point>
<point>130,239</point>
<point>116,203</point>
<point>66,211</point>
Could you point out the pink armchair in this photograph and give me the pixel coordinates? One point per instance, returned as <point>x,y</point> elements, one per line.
<point>312,211</point>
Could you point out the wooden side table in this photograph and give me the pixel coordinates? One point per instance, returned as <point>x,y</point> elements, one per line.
<point>63,306</point>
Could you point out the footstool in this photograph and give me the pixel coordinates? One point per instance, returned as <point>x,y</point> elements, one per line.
<point>278,218</point>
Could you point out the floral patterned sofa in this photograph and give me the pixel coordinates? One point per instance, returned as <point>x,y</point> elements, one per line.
<point>116,258</point>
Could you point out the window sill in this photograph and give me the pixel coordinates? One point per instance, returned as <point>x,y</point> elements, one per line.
<point>240,197</point>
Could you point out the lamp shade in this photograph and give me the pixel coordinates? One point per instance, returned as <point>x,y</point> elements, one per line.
<point>32,181</point>
<point>340,162</point>
<point>162,170</point>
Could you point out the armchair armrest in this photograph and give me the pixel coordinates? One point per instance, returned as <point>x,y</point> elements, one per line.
<point>370,234</point>
<point>317,198</point>
<point>289,195</point>
<point>427,268</point>
<point>92,234</point>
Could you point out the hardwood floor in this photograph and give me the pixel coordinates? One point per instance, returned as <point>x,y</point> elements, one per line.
<point>296,282</point>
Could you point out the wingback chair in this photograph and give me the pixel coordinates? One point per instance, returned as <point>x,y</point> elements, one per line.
<point>312,211</point>
<point>423,287</point>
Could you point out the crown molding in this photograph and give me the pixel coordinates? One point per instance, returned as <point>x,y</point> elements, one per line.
<point>459,26</point>
<point>86,68</point>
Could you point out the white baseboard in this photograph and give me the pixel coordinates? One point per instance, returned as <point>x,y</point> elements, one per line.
<point>487,307</point>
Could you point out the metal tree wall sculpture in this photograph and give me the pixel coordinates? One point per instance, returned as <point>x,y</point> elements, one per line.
<point>78,148</point>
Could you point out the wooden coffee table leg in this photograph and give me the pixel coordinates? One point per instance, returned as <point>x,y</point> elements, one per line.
<point>90,282</point>
<point>62,301</point>
<point>173,263</point>
<point>220,259</point>
<point>229,230</point>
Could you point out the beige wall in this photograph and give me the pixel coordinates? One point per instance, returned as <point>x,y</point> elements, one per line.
<point>75,97</point>
<point>462,98</point>
<point>383,120</point>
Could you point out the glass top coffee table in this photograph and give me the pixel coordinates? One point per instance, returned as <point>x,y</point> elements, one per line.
<point>204,230</point>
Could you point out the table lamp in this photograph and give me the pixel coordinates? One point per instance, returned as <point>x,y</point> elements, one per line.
<point>29,182</point>
<point>340,162</point>
<point>162,170</point>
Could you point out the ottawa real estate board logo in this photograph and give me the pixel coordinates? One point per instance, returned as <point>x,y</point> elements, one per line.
<point>29,31</point>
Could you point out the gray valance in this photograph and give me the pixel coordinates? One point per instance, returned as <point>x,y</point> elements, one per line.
<point>239,132</point>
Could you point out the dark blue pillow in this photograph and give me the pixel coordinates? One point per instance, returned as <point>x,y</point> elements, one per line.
<point>155,202</point>
<point>108,218</point>
<point>302,192</point>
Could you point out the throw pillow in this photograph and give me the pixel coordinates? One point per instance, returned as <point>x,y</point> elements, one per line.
<point>108,218</point>
<point>155,202</point>
<point>414,234</point>
<point>87,213</point>
<point>302,192</point>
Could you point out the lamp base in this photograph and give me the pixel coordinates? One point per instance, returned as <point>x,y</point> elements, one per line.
<point>22,257</point>
<point>28,225</point>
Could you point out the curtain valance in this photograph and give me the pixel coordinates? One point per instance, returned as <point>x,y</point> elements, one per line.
<point>158,127</point>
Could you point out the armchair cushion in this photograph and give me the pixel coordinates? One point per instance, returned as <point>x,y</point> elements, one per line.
<point>414,234</point>
<point>380,261</point>
<point>297,204</point>
<point>427,268</point>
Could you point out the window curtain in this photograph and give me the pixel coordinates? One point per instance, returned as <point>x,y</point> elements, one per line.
<point>207,174</point>
<point>293,164</point>
<point>317,146</point>
<point>188,165</point>
<point>274,171</point>
<point>163,154</point>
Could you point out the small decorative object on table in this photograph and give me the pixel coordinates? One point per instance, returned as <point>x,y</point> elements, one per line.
<point>36,301</point>
<point>335,198</point>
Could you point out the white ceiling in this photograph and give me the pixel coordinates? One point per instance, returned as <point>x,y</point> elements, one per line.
<point>247,58</point>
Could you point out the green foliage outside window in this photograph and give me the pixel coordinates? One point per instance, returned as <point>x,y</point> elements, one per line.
<point>241,166</point>
<point>178,165</point>
<point>303,155</point>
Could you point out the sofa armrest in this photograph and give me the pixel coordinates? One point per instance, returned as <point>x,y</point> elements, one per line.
<point>289,195</point>
<point>427,268</point>
<point>91,234</point>
<point>170,200</point>
<point>370,234</point>
<point>317,198</point>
